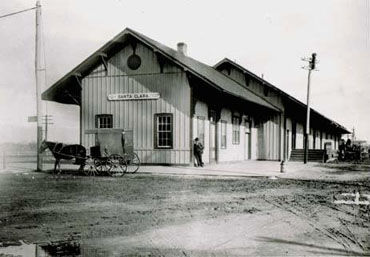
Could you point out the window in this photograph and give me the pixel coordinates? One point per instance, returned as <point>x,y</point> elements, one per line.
<point>163,130</point>
<point>134,61</point>
<point>104,121</point>
<point>236,130</point>
<point>223,134</point>
<point>212,116</point>
<point>247,126</point>
<point>200,128</point>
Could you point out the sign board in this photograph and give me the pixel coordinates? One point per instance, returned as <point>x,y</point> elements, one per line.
<point>133,96</point>
<point>32,118</point>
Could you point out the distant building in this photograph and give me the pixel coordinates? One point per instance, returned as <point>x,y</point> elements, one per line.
<point>168,99</point>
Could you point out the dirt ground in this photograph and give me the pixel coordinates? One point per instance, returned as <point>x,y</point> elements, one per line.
<point>157,215</point>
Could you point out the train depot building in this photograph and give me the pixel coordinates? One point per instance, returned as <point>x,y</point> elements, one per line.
<point>167,99</point>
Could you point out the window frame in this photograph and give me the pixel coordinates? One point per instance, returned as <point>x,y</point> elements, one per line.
<point>248,125</point>
<point>223,134</point>
<point>156,120</point>
<point>236,130</point>
<point>98,122</point>
<point>212,116</point>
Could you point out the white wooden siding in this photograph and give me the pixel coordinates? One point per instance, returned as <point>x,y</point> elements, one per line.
<point>138,115</point>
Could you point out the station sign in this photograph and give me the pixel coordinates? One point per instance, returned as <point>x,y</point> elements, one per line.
<point>133,96</point>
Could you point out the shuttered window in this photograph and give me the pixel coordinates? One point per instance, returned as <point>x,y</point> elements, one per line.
<point>163,130</point>
<point>104,121</point>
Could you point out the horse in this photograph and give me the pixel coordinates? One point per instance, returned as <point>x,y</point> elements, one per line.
<point>66,152</point>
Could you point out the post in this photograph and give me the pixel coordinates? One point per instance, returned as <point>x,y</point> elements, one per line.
<point>46,130</point>
<point>38,85</point>
<point>307,132</point>
<point>311,66</point>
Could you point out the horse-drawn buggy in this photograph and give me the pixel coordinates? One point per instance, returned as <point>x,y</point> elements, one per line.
<point>113,154</point>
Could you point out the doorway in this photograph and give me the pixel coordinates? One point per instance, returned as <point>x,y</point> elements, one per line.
<point>212,137</point>
<point>247,140</point>
<point>287,145</point>
<point>294,133</point>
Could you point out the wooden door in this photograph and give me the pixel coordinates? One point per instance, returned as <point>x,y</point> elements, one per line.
<point>294,134</point>
<point>247,140</point>
<point>212,142</point>
<point>212,136</point>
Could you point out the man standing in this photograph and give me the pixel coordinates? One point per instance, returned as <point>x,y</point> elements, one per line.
<point>198,151</point>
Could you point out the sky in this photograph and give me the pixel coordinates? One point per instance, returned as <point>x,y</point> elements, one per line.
<point>266,36</point>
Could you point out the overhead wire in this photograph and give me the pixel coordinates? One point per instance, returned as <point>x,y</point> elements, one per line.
<point>14,13</point>
<point>42,46</point>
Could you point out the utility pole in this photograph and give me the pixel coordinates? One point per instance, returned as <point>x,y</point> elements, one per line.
<point>311,66</point>
<point>38,84</point>
<point>353,135</point>
<point>47,121</point>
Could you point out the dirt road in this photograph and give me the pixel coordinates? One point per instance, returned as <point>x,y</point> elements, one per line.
<point>154,215</point>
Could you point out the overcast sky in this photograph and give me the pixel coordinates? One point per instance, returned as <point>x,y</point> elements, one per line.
<point>266,36</point>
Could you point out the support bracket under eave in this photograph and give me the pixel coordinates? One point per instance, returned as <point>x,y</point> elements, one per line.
<point>72,97</point>
<point>161,60</point>
<point>189,75</point>
<point>228,70</point>
<point>78,79</point>
<point>103,58</point>
<point>247,79</point>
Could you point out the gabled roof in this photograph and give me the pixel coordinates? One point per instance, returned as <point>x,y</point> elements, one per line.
<point>67,89</point>
<point>291,98</point>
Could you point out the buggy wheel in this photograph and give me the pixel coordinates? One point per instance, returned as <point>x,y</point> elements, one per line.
<point>133,162</point>
<point>101,165</point>
<point>118,166</point>
<point>89,168</point>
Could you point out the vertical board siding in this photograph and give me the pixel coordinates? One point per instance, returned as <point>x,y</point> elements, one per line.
<point>268,139</point>
<point>270,147</point>
<point>267,132</point>
<point>257,87</point>
<point>138,115</point>
<point>233,152</point>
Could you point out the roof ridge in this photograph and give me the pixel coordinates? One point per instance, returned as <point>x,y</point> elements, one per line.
<point>208,66</point>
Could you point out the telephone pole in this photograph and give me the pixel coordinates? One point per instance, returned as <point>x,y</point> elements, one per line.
<point>48,120</point>
<point>38,84</point>
<point>311,66</point>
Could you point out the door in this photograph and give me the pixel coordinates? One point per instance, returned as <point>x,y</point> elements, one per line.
<point>294,133</point>
<point>287,144</point>
<point>212,137</point>
<point>247,140</point>
<point>212,142</point>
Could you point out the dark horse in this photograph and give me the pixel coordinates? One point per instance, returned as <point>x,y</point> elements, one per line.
<point>66,152</point>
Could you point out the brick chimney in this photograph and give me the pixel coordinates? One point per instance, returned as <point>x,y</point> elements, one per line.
<point>182,48</point>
